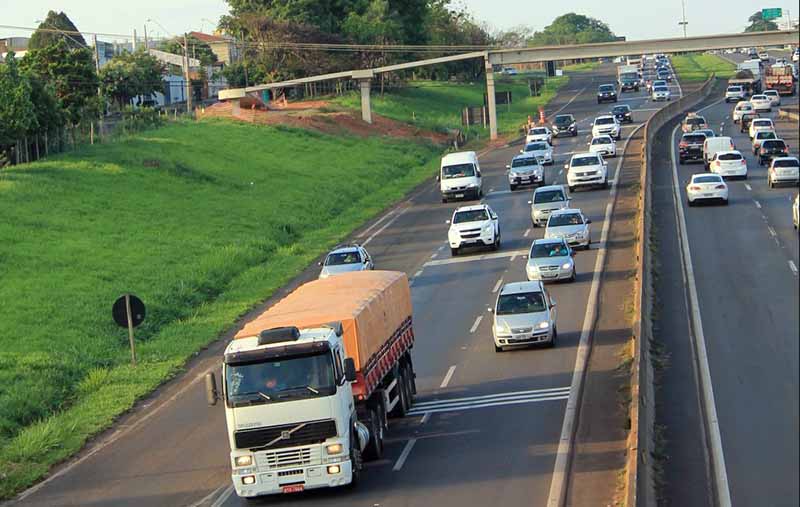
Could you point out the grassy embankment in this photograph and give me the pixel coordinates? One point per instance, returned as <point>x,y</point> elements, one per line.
<point>698,67</point>
<point>201,221</point>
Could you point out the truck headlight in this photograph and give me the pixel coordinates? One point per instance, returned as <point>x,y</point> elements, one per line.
<point>248,480</point>
<point>334,448</point>
<point>543,325</point>
<point>243,461</point>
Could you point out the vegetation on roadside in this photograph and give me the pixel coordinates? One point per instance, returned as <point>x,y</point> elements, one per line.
<point>201,220</point>
<point>698,67</point>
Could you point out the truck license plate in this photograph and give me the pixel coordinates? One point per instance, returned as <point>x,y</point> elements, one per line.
<point>293,488</point>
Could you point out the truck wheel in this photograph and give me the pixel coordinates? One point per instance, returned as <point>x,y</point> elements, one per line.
<point>403,404</point>
<point>411,384</point>
<point>374,449</point>
<point>355,459</point>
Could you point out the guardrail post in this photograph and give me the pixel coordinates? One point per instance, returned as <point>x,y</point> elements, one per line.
<point>490,97</point>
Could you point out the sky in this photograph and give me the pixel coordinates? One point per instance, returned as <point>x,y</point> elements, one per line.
<point>637,19</point>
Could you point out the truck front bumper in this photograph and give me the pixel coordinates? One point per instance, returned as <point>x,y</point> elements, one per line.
<point>291,479</point>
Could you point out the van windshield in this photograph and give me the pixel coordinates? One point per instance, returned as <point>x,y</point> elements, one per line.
<point>458,171</point>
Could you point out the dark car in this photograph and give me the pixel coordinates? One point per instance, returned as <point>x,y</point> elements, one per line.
<point>606,93</point>
<point>746,120</point>
<point>623,113</point>
<point>690,147</point>
<point>564,124</point>
<point>772,148</point>
<point>665,75</point>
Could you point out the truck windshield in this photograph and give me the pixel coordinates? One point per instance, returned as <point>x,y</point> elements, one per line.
<point>458,171</point>
<point>280,380</point>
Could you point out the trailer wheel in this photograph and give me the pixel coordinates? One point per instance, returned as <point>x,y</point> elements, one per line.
<point>374,449</point>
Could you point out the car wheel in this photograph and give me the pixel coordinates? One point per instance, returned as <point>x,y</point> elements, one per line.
<point>571,189</point>
<point>498,349</point>
<point>454,252</point>
<point>573,276</point>
<point>496,244</point>
<point>574,134</point>
<point>554,339</point>
<point>770,184</point>
<point>605,183</point>
<point>681,161</point>
<point>690,203</point>
<point>444,200</point>
<point>512,187</point>
<point>724,202</point>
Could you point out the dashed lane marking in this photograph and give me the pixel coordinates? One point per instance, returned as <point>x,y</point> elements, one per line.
<point>472,258</point>
<point>772,231</point>
<point>497,286</point>
<point>793,267</point>
<point>404,455</point>
<point>758,204</point>
<point>748,187</point>
<point>449,374</point>
<point>527,231</point>
<point>475,326</point>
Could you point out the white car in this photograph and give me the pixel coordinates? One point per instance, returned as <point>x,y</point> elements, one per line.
<point>761,103</point>
<point>783,170</point>
<point>734,93</point>
<point>796,212</point>
<point>473,226</point>
<point>571,226</point>
<point>603,145</point>
<point>760,124</point>
<point>542,150</point>
<point>760,137</point>
<point>546,200</point>
<point>524,314</point>
<point>606,125</point>
<point>345,259</point>
<point>661,93</point>
<point>525,169</point>
<point>550,260</point>
<point>764,56</point>
<point>730,164</point>
<point>539,134</point>
<point>741,109</point>
<point>706,187</point>
<point>586,169</point>
<point>773,96</point>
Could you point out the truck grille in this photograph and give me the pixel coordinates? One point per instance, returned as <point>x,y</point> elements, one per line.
<point>286,435</point>
<point>272,460</point>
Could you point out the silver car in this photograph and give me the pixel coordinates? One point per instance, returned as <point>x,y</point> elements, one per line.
<point>524,314</point>
<point>345,259</point>
<point>525,169</point>
<point>541,150</point>
<point>550,260</point>
<point>547,200</point>
<point>571,226</point>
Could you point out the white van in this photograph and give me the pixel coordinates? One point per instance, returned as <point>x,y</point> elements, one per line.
<point>712,145</point>
<point>460,176</point>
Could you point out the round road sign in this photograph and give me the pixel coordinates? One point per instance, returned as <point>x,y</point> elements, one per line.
<point>120,314</point>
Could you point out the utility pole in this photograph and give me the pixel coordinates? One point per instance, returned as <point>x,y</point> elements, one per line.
<point>146,45</point>
<point>684,22</point>
<point>134,39</point>
<point>96,54</point>
<point>186,74</point>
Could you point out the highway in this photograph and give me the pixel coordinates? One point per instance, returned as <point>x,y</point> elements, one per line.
<point>175,450</point>
<point>744,259</point>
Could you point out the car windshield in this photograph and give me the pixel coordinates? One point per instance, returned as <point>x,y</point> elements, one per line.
<point>705,132</point>
<point>602,140</point>
<point>458,171</point>
<point>536,147</point>
<point>280,380</point>
<point>765,134</point>
<point>695,120</point>
<point>773,144</point>
<point>475,215</point>
<point>759,97</point>
<point>707,179</point>
<point>539,250</point>
<point>729,156</point>
<point>524,162</point>
<point>792,162</point>
<point>744,106</point>
<point>584,161</point>
<point>563,219</point>
<point>548,196</point>
<point>620,109</point>
<point>734,89</point>
<point>538,131</point>
<point>524,302</point>
<point>340,258</point>
<point>762,123</point>
<point>564,120</point>
<point>604,121</point>
<point>771,93</point>
<point>661,89</point>
<point>694,138</point>
<point>606,88</point>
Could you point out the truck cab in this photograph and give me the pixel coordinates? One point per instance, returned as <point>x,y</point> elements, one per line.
<point>460,176</point>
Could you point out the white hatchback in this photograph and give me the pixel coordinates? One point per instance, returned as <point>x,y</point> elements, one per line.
<point>603,145</point>
<point>760,124</point>
<point>539,134</point>
<point>773,96</point>
<point>741,109</point>
<point>783,170</point>
<point>729,164</point>
<point>761,103</point>
<point>706,187</point>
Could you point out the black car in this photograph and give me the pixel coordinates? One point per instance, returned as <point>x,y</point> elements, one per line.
<point>772,148</point>
<point>564,124</point>
<point>623,113</point>
<point>606,93</point>
<point>690,147</point>
<point>665,76</point>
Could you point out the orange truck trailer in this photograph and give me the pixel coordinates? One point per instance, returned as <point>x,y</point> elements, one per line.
<point>780,78</point>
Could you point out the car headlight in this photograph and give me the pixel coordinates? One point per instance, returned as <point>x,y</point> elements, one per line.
<point>566,265</point>
<point>472,185</point>
<point>543,325</point>
<point>334,448</point>
<point>243,461</point>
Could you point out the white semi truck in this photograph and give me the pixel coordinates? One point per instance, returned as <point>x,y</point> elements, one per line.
<point>308,384</point>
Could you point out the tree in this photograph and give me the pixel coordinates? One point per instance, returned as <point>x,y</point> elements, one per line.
<point>46,36</point>
<point>514,37</point>
<point>16,108</point>
<point>573,29</point>
<point>759,24</point>
<point>71,73</point>
<point>197,49</point>
<point>130,75</point>
<point>243,73</point>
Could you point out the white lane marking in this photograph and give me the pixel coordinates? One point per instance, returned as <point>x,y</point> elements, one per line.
<point>498,192</point>
<point>434,255</point>
<point>224,497</point>
<point>473,258</point>
<point>497,286</point>
<point>451,370</point>
<point>491,190</point>
<point>418,273</point>
<point>207,499</point>
<point>568,103</point>
<point>560,172</point>
<point>404,455</point>
<point>712,421</point>
<point>748,187</point>
<point>514,401</point>
<point>758,204</point>
<point>377,222</point>
<point>387,224</point>
<point>442,247</point>
<point>793,267</point>
<point>527,231</point>
<point>513,257</point>
<point>425,418</point>
<point>772,231</point>
<point>476,324</point>
<point>558,490</point>
<point>421,407</point>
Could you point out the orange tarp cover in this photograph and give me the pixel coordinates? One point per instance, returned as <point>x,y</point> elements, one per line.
<point>371,305</point>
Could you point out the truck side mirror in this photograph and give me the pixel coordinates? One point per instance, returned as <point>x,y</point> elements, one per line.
<point>211,389</point>
<point>349,370</point>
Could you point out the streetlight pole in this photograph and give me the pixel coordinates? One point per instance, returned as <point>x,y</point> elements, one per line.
<point>187,81</point>
<point>684,22</point>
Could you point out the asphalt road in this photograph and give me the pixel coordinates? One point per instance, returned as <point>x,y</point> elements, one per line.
<point>745,258</point>
<point>498,455</point>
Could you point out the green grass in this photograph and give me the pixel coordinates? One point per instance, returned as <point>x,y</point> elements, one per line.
<point>436,105</point>
<point>200,220</point>
<point>698,67</point>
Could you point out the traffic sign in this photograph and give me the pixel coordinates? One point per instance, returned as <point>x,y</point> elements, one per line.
<point>767,14</point>
<point>128,311</point>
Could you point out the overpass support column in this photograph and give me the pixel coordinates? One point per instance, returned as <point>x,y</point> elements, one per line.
<point>235,107</point>
<point>364,78</point>
<point>490,98</point>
